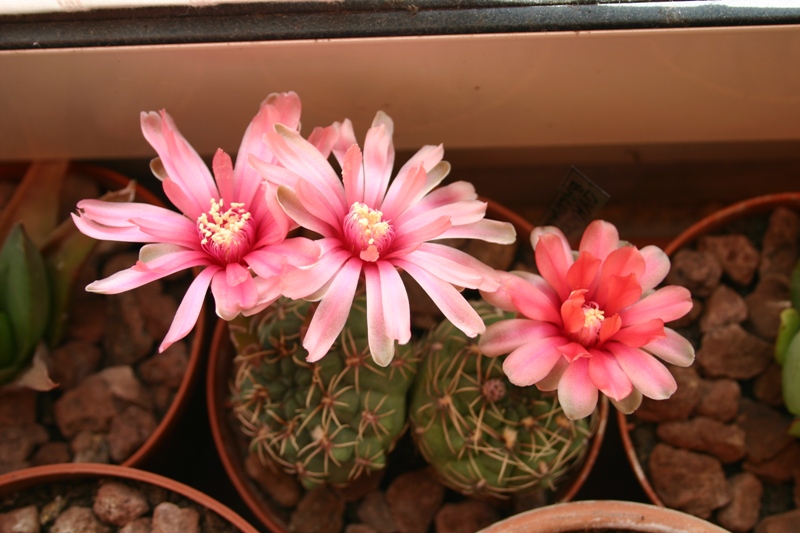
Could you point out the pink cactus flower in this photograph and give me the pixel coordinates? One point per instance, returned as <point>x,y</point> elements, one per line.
<point>231,224</point>
<point>591,323</point>
<point>371,230</point>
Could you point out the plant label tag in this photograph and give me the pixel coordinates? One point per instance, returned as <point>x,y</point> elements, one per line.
<point>575,204</point>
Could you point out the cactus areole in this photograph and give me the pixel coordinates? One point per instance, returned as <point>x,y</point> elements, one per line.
<point>483,435</point>
<point>327,422</point>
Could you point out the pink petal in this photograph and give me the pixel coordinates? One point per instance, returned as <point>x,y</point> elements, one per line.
<point>608,377</point>
<point>293,206</point>
<point>331,315</point>
<point>182,163</point>
<point>534,301</point>
<point>182,233</point>
<point>274,174</point>
<point>618,292</point>
<point>583,272</point>
<point>319,205</point>
<point>324,139</point>
<point>447,299</point>
<point>277,108</point>
<point>458,191</point>
<point>184,200</point>
<point>298,251</point>
<point>233,291</point>
<point>346,139</point>
<point>403,192</point>
<point>551,380</point>
<point>572,314</point>
<point>381,344</point>
<point>223,172</point>
<point>668,303</point>
<point>189,308</point>
<point>486,230</point>
<point>640,334</point>
<point>396,307</point>
<point>656,267</point>
<point>378,158</point>
<point>353,175</point>
<point>572,351</point>
<point>610,326</point>
<point>411,236</point>
<point>142,273</point>
<point>444,267</point>
<point>428,157</point>
<point>553,263</point>
<point>576,392</point>
<point>269,290</point>
<point>506,336</point>
<point>674,349</point>
<point>600,239</point>
<point>299,283</point>
<point>462,262</point>
<point>501,297</point>
<point>649,376</point>
<point>301,157</point>
<point>532,361</point>
<point>272,223</point>
<point>628,404</point>
<point>623,262</point>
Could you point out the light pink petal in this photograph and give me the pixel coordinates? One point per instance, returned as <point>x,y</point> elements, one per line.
<point>320,206</point>
<point>272,223</point>
<point>628,404</point>
<point>223,172</point>
<point>412,236</point>
<point>428,157</point>
<point>458,191</point>
<point>501,297</point>
<point>189,309</point>
<point>572,351</point>
<point>623,262</point>
<point>674,348</point>
<point>600,239</point>
<point>641,333</point>
<point>656,267</point>
<point>538,231</point>
<point>270,260</point>
<point>378,159</point>
<point>551,380</point>
<point>648,375</point>
<point>532,361</point>
<point>488,278</point>
<point>301,157</point>
<point>142,273</point>
<point>444,267</point>
<point>293,206</point>
<point>403,192</point>
<point>346,138</point>
<point>114,221</point>
<point>301,282</point>
<point>182,163</point>
<point>618,292</point>
<point>182,233</point>
<point>583,272</point>
<point>331,315</point>
<point>353,175</point>
<point>277,108</point>
<point>324,139</point>
<point>608,377</point>
<point>381,344</point>
<point>465,212</point>
<point>183,199</point>
<point>233,291</point>
<point>269,290</point>
<point>553,263</point>
<point>274,174</point>
<point>506,336</point>
<point>534,301</point>
<point>447,299</point>
<point>668,303</point>
<point>485,230</point>
<point>576,392</point>
<point>396,308</point>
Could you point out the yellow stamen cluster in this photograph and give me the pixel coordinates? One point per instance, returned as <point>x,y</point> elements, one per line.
<point>371,227</point>
<point>222,227</point>
<point>593,317</point>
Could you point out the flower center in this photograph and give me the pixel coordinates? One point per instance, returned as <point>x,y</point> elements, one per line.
<point>369,234</point>
<point>593,318</point>
<point>225,234</point>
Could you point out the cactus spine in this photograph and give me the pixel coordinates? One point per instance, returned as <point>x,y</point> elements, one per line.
<point>483,435</point>
<point>326,422</point>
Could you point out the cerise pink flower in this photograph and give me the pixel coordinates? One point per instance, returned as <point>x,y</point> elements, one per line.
<point>232,225</point>
<point>591,323</point>
<point>372,229</point>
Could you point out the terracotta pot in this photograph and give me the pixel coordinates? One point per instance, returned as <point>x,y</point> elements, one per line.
<point>149,451</point>
<point>28,478</point>
<point>710,224</point>
<point>602,516</point>
<point>220,362</point>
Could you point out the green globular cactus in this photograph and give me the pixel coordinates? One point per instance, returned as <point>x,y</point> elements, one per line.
<point>329,421</point>
<point>484,436</point>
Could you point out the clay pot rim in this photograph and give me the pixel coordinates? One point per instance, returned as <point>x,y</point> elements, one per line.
<point>233,466</point>
<point>112,179</point>
<point>28,477</point>
<point>713,222</point>
<point>571,517</point>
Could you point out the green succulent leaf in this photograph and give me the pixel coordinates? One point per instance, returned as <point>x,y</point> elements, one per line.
<point>791,377</point>
<point>790,325</point>
<point>24,293</point>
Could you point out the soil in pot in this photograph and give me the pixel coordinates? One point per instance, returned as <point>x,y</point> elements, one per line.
<point>108,499</point>
<point>719,448</point>
<point>116,395</point>
<point>405,496</point>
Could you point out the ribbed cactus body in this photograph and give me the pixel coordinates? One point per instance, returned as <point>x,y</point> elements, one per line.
<point>483,435</point>
<point>326,422</point>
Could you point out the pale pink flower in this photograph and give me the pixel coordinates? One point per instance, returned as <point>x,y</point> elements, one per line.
<point>231,223</point>
<point>591,323</point>
<point>371,230</point>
